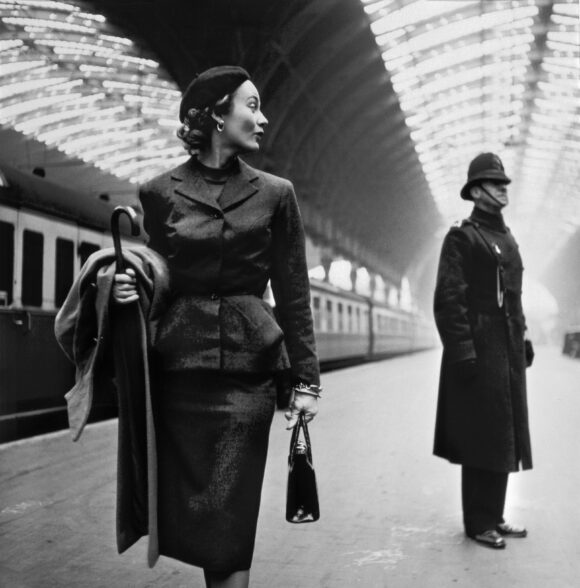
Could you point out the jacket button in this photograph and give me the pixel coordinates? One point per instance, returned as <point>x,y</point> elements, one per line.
<point>217,215</point>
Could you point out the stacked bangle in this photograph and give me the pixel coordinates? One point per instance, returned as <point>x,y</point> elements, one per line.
<point>309,389</point>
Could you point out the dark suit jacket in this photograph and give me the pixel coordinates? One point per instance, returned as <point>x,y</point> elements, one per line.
<point>220,257</point>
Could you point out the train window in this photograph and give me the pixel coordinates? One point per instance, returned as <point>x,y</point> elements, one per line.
<point>349,325</point>
<point>65,262</point>
<point>85,250</point>
<point>32,264</point>
<point>329,316</point>
<point>340,318</point>
<point>6,262</point>
<point>358,326</point>
<point>316,313</point>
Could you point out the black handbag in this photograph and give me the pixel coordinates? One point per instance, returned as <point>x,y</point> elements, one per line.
<point>301,493</point>
<point>529,352</point>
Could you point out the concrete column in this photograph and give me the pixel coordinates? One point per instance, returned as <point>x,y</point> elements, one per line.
<point>326,262</point>
<point>373,284</point>
<point>353,276</point>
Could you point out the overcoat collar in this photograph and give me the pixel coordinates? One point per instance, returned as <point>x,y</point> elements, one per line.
<point>494,222</point>
<point>242,184</point>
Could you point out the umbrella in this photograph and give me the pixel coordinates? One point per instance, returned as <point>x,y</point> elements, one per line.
<point>129,365</point>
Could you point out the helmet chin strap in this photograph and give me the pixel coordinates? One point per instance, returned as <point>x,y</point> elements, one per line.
<point>492,196</point>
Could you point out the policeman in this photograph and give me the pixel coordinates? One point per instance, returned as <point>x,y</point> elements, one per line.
<point>482,413</point>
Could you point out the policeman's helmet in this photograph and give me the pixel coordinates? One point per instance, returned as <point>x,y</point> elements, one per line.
<point>486,166</point>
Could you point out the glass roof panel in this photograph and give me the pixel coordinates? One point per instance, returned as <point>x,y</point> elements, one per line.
<point>499,76</point>
<point>71,80</point>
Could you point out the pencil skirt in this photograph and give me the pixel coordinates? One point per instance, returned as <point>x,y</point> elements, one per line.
<point>212,442</point>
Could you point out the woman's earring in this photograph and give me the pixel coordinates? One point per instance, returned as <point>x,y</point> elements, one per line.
<point>220,126</point>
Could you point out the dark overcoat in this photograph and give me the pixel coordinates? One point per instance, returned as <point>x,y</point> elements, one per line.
<point>482,422</point>
<point>221,255</point>
<point>82,329</point>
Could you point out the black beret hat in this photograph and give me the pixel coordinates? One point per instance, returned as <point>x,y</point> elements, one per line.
<point>486,166</point>
<point>210,86</point>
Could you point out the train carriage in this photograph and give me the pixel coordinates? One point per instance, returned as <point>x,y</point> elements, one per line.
<point>341,323</point>
<point>393,331</point>
<point>46,234</point>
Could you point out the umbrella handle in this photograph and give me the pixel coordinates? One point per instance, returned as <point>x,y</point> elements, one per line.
<point>119,210</point>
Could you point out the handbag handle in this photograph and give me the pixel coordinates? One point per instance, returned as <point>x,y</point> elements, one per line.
<point>301,424</point>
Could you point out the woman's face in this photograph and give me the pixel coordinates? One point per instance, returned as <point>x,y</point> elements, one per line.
<point>244,124</point>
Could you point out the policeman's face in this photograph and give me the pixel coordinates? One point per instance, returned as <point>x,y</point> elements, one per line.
<point>491,195</point>
<point>244,124</point>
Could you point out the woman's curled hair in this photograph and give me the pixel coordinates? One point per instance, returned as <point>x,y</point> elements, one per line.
<point>198,125</point>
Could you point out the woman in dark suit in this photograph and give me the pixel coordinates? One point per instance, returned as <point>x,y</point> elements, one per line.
<point>225,230</point>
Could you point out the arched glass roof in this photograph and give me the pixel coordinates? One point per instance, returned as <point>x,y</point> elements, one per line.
<point>470,76</point>
<point>501,76</point>
<point>72,81</point>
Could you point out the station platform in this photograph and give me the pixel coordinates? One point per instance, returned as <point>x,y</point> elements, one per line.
<point>390,511</point>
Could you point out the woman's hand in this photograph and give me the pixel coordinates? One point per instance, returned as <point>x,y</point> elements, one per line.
<point>305,403</point>
<point>125,287</point>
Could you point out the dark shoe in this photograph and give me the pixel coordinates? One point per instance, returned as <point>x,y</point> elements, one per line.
<point>508,530</point>
<point>490,538</point>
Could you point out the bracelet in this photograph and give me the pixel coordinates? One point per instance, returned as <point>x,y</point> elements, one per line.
<point>311,389</point>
